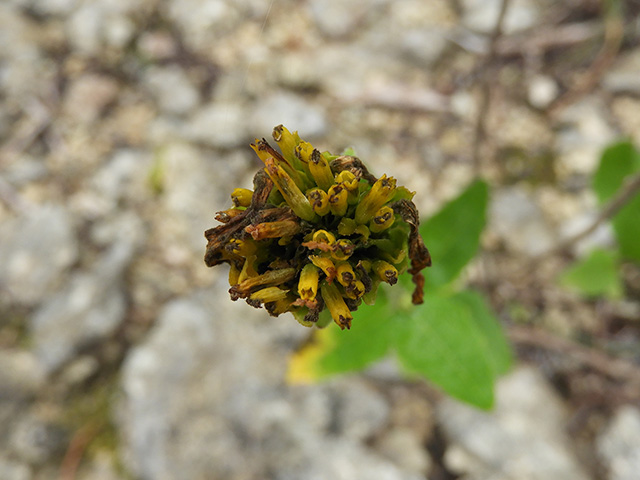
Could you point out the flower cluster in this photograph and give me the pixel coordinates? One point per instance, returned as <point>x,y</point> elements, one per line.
<point>322,240</point>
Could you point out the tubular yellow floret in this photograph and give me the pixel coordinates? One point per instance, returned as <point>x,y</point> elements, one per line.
<point>336,305</point>
<point>320,170</point>
<point>346,275</point>
<point>319,201</point>
<point>303,151</point>
<point>290,191</point>
<point>355,290</point>
<point>338,203</point>
<point>380,193</point>
<point>287,141</point>
<point>244,248</point>
<point>308,283</point>
<point>385,271</point>
<point>326,265</point>
<point>241,197</point>
<point>277,229</point>
<point>382,220</point>
<point>269,294</point>
<point>342,249</point>
<point>322,236</point>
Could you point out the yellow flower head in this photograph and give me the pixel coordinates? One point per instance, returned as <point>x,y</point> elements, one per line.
<point>317,234</point>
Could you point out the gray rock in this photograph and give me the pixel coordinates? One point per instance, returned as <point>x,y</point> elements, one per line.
<point>172,89</point>
<point>518,219</point>
<point>406,450</point>
<point>623,75</point>
<point>291,111</point>
<point>209,374</point>
<point>20,375</point>
<point>222,125</point>
<point>425,45</point>
<point>35,440</point>
<point>12,470</point>
<point>361,411</point>
<point>88,95</point>
<point>337,18</point>
<point>585,134</point>
<point>522,438</point>
<point>619,444</point>
<point>88,309</point>
<point>35,251</point>
<point>482,15</point>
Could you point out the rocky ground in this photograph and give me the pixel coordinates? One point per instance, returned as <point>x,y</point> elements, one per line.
<point>124,125</point>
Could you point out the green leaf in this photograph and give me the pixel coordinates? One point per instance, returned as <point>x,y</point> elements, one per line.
<point>618,162</point>
<point>453,234</point>
<point>334,351</point>
<point>596,275</point>
<point>497,346</point>
<point>442,341</point>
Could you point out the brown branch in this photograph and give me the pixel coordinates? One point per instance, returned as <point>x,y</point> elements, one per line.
<point>77,446</point>
<point>485,99</point>
<point>615,368</point>
<point>613,36</point>
<point>629,189</point>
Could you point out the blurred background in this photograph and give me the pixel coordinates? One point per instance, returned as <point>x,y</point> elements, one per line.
<point>124,126</point>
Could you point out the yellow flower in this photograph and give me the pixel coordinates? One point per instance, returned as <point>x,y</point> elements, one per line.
<point>316,235</point>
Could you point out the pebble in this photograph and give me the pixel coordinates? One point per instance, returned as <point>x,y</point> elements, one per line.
<point>20,375</point>
<point>482,15</point>
<point>519,220</point>
<point>623,76</point>
<point>88,96</point>
<point>524,437</point>
<point>221,125</point>
<point>292,111</point>
<point>619,444</point>
<point>12,470</point>
<point>87,310</point>
<point>29,268</point>
<point>172,89</point>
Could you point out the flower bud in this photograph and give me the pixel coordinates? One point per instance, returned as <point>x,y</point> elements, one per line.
<point>241,197</point>
<point>320,170</point>
<point>338,200</point>
<point>308,283</point>
<point>382,220</point>
<point>336,305</point>
<point>278,229</point>
<point>380,193</point>
<point>290,191</point>
<point>385,271</point>
<point>319,200</point>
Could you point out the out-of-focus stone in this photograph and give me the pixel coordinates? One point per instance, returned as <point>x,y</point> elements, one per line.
<point>406,450</point>
<point>88,95</point>
<point>172,89</point>
<point>219,125</point>
<point>542,91</point>
<point>585,134</point>
<point>520,221</point>
<point>20,375</point>
<point>482,15</point>
<point>35,251</point>
<point>291,111</point>
<point>338,18</point>
<point>87,310</point>
<point>35,440</point>
<point>12,470</point>
<point>623,75</point>
<point>218,358</point>
<point>619,444</point>
<point>523,437</point>
<point>360,410</point>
